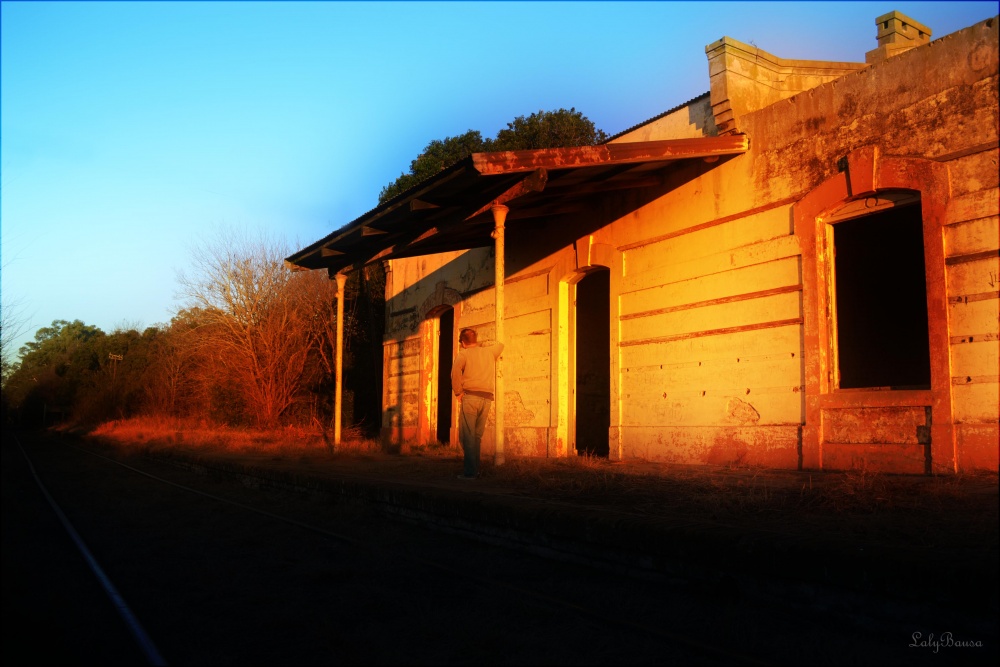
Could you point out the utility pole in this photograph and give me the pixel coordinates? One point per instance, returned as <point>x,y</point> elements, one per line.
<point>339,380</point>
<point>115,358</point>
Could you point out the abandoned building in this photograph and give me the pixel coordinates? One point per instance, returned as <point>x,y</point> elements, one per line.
<point>798,269</point>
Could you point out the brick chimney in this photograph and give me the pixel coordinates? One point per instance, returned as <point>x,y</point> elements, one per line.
<point>897,33</point>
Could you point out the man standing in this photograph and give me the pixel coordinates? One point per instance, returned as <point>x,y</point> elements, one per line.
<point>473,377</point>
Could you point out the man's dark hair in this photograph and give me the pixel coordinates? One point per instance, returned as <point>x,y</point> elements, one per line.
<point>468,336</point>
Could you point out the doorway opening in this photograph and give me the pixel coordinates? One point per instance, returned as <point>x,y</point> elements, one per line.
<point>446,354</point>
<point>593,363</point>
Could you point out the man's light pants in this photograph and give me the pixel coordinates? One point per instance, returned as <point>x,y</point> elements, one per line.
<point>471,426</point>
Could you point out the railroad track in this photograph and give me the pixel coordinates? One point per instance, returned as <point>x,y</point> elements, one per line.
<point>203,570</point>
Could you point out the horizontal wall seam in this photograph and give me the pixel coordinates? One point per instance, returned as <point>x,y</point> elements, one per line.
<point>981,296</point>
<point>717,427</point>
<point>877,443</point>
<point>788,253</point>
<point>714,332</point>
<point>972,257</point>
<point>972,150</point>
<point>719,361</point>
<point>970,221</point>
<point>714,302</point>
<point>975,379</point>
<point>517,279</point>
<point>710,223</point>
<point>510,312</point>
<point>713,392</point>
<point>974,338</point>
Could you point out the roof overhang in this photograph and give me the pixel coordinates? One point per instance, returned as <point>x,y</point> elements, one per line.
<point>451,210</point>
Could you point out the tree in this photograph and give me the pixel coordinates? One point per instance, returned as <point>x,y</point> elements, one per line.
<point>545,129</point>
<point>55,369</point>
<point>548,129</point>
<point>60,345</point>
<point>116,388</point>
<point>12,325</point>
<point>437,155</point>
<point>258,323</point>
<point>169,381</point>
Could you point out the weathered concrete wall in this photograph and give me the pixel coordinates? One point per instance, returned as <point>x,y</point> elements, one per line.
<point>709,329</point>
<point>936,104</point>
<point>933,102</point>
<point>527,358</point>
<point>418,290</point>
<point>708,298</point>
<point>419,285</point>
<point>973,278</point>
<point>709,280</point>
<point>745,78</point>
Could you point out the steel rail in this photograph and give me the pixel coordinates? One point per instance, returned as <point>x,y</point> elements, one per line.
<point>143,639</point>
<point>551,601</point>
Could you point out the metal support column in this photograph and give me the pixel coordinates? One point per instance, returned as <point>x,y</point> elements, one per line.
<point>499,217</point>
<point>341,280</point>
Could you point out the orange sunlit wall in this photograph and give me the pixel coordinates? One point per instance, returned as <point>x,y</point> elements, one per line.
<point>723,340</point>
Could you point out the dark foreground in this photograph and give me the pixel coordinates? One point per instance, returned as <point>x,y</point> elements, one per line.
<point>392,560</point>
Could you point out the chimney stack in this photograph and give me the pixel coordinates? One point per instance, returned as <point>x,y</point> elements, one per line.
<point>897,33</point>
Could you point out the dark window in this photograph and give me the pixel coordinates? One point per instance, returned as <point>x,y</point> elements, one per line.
<point>881,298</point>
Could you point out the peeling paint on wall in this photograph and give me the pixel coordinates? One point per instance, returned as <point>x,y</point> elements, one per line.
<point>740,412</point>
<point>516,414</point>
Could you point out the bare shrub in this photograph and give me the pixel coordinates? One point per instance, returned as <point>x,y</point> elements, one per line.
<point>258,325</point>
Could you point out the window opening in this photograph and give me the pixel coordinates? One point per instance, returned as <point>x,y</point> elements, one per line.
<point>881,301</point>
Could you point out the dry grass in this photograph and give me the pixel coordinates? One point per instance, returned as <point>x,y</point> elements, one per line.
<point>149,434</point>
<point>961,508</point>
<point>727,494</point>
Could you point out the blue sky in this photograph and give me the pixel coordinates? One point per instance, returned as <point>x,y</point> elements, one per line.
<point>130,131</point>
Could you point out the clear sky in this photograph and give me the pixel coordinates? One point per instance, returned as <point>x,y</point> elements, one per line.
<point>130,131</point>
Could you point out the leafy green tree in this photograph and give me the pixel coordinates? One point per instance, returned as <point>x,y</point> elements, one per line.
<point>544,129</point>
<point>438,154</point>
<point>547,129</point>
<point>117,388</point>
<point>54,369</point>
<point>57,342</point>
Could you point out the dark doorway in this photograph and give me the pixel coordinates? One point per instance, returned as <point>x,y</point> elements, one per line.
<point>446,354</point>
<point>593,363</point>
<point>882,338</point>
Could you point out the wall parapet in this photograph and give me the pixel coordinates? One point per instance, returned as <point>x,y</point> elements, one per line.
<point>745,78</point>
